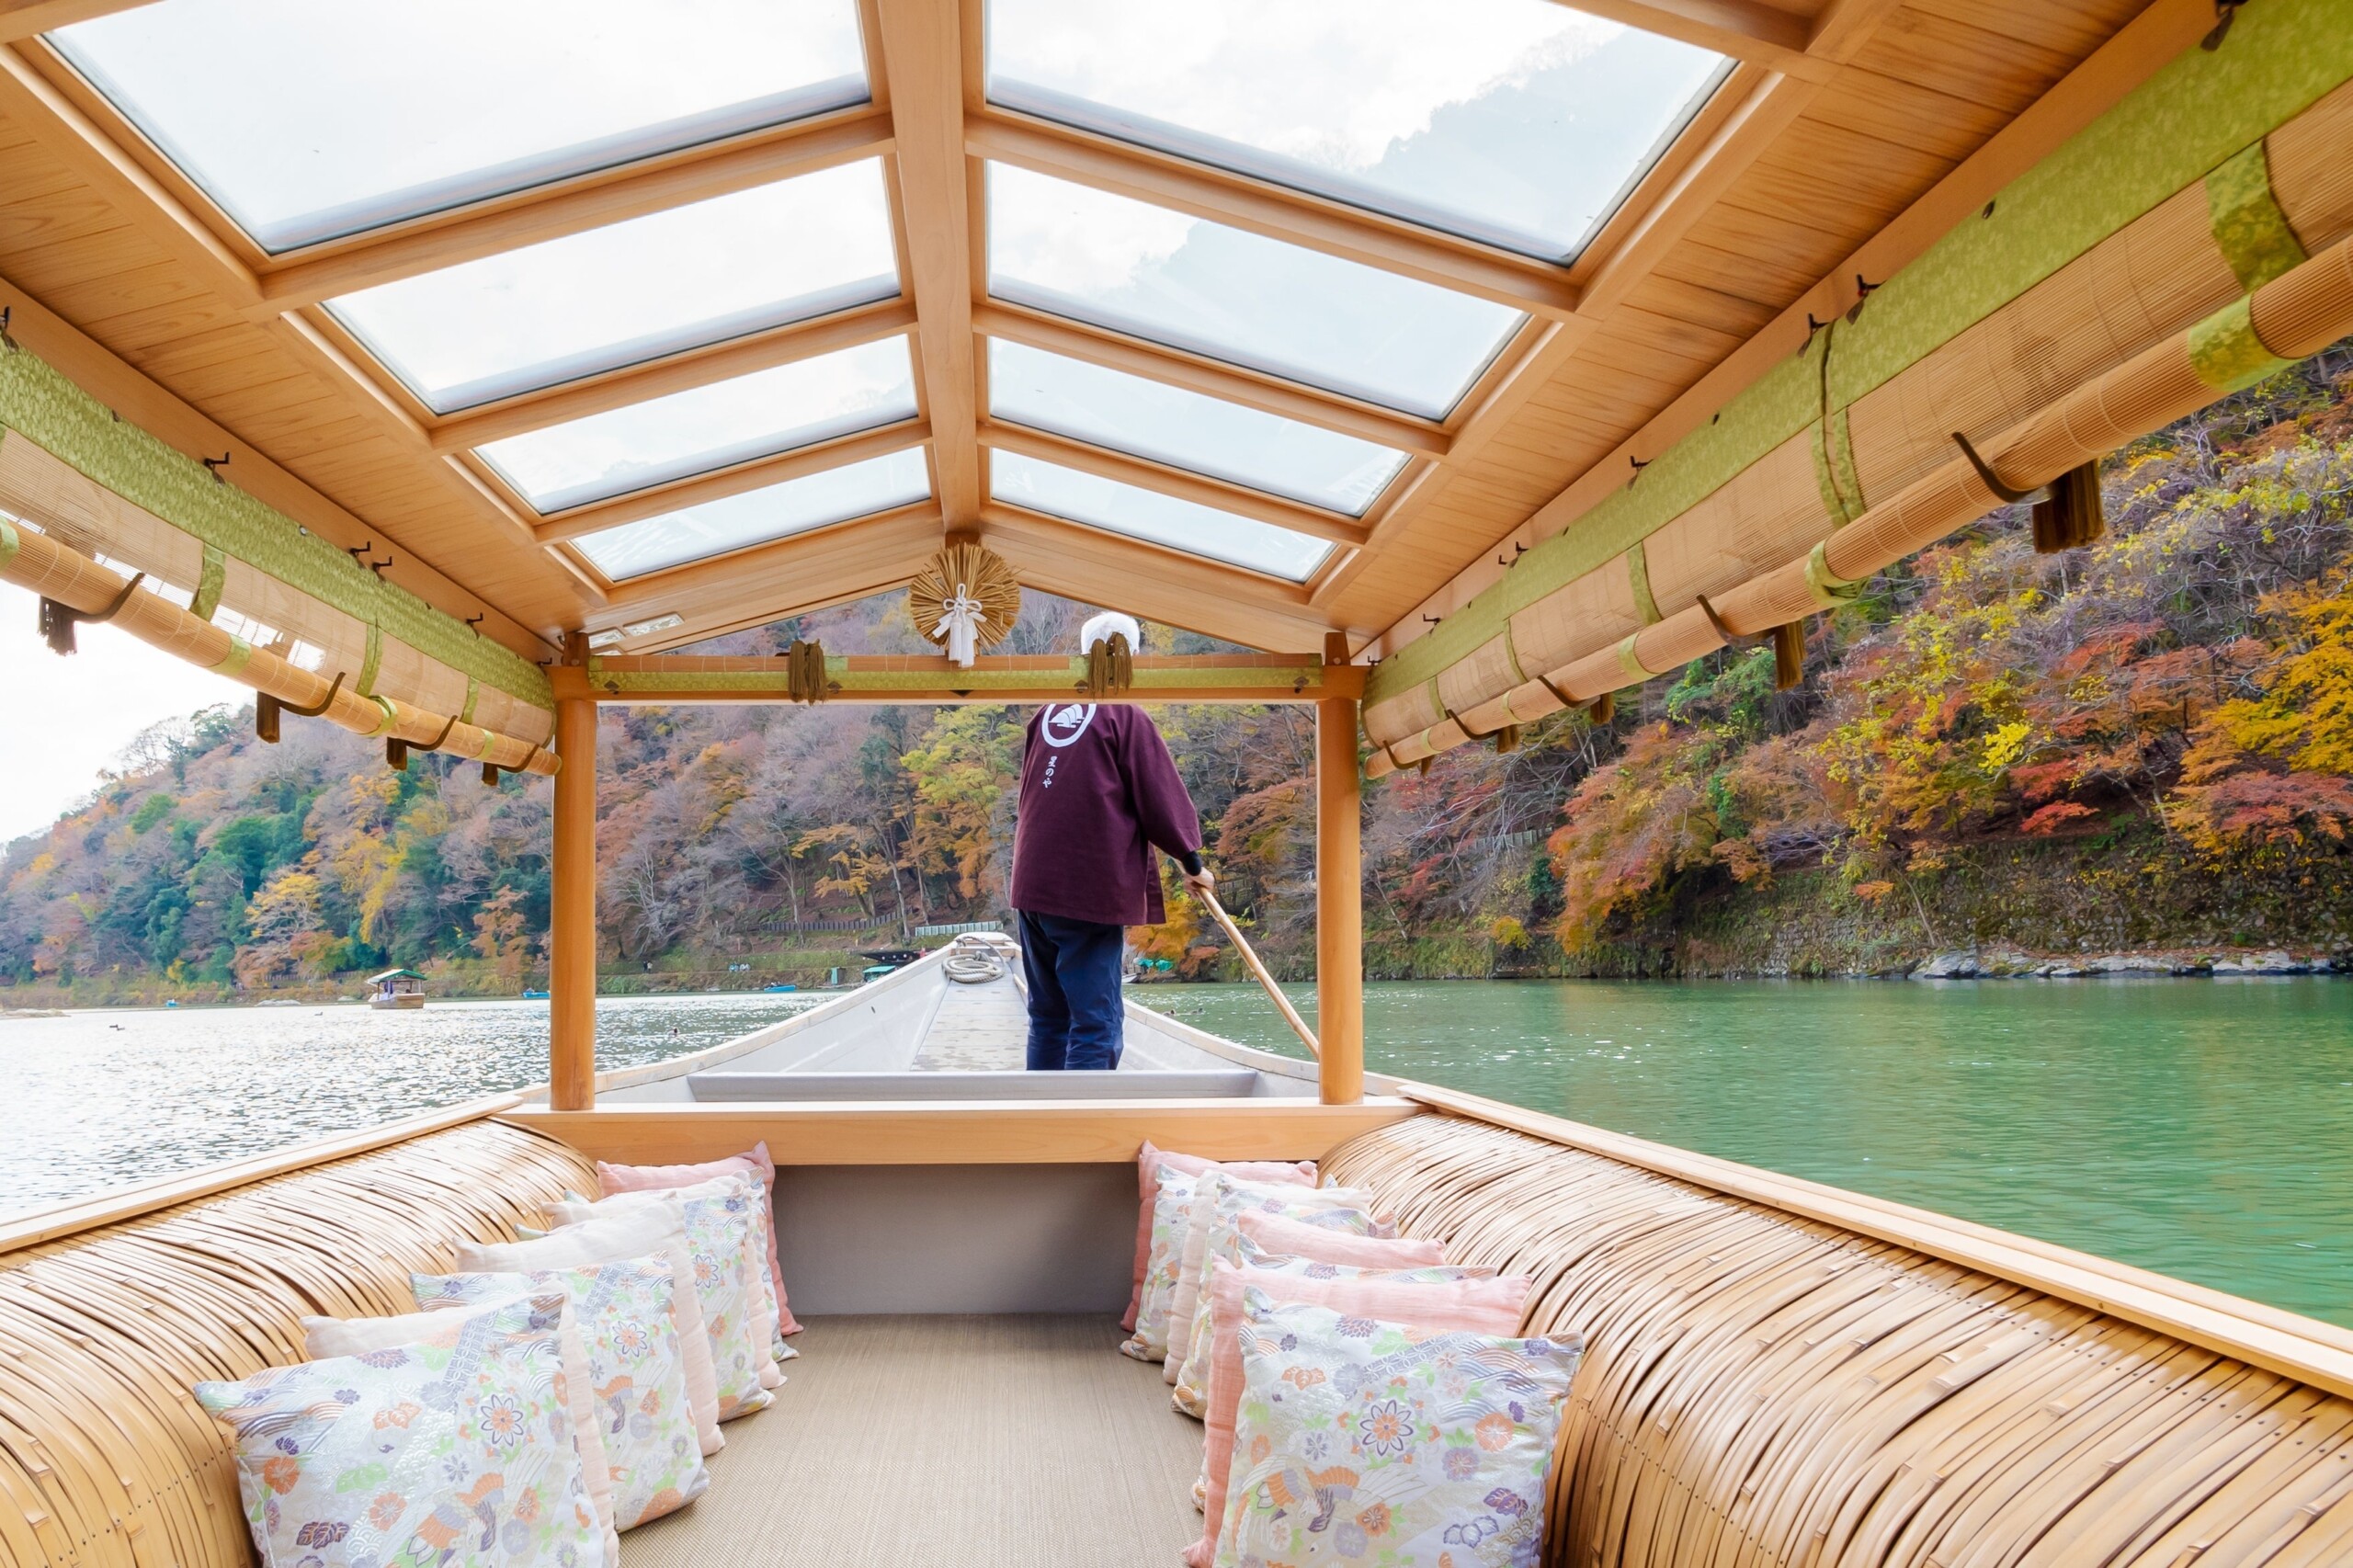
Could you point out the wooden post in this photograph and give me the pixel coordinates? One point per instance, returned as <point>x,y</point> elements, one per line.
<point>1339,893</point>
<point>572,937</point>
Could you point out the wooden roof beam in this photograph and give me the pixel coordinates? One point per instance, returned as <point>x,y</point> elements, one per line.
<point>680,372</point>
<point>1168,480</point>
<point>591,201</point>
<point>921,57</point>
<point>737,481</point>
<point>1744,30</point>
<point>30,18</point>
<point>1194,372</point>
<point>787,576</point>
<point>1296,218</point>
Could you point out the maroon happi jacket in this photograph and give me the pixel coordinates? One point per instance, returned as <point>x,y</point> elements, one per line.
<point>1099,793</point>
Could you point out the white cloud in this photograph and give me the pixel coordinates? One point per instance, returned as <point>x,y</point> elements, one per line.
<point>70,718</point>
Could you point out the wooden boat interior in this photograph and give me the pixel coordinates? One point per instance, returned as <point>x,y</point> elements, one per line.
<point>1874,268</point>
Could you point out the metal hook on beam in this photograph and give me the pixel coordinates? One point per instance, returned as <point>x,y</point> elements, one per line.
<point>58,619</point>
<point>1992,480</point>
<point>268,708</point>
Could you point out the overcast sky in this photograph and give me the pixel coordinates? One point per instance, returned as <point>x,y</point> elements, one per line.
<point>69,718</point>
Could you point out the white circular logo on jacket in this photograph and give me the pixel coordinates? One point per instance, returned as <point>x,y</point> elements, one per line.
<point>1067,724</point>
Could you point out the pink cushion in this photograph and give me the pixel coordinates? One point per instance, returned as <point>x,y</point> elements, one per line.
<point>1492,1305</point>
<point>1281,1237</point>
<point>1148,1165</point>
<point>753,1162</point>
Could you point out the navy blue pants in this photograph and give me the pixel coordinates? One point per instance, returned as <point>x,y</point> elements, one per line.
<point>1073,970</point>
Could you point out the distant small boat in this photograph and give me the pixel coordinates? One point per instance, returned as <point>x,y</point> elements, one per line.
<point>400,990</point>
<point>535,995</point>
<point>772,989</point>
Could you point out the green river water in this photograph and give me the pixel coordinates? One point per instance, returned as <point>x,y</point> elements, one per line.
<point>2200,1128</point>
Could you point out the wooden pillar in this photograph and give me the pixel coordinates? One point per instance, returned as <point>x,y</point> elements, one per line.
<point>1339,894</point>
<point>572,938</point>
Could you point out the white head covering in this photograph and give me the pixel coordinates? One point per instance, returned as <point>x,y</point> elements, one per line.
<point>1101,628</point>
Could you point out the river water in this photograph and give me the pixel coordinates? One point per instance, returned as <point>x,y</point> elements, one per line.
<point>2200,1128</point>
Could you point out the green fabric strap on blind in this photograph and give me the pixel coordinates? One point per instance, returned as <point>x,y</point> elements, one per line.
<point>1838,439</point>
<point>240,653</point>
<point>2225,352</point>
<point>209,584</point>
<point>1825,486</point>
<point>9,543</point>
<point>1627,660</point>
<point>473,691</point>
<point>365,684</point>
<point>2250,231</point>
<point>392,715</point>
<point>1511,657</point>
<point>1830,590</point>
<point>1638,572</point>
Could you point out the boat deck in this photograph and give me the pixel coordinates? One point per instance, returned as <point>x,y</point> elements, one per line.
<point>898,1440</point>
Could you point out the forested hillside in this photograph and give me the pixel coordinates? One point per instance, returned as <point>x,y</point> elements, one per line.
<point>2145,744</point>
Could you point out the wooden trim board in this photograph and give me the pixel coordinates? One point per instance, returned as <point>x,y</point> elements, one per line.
<point>971,1132</point>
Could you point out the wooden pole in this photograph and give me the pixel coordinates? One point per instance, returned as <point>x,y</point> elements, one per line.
<point>1250,957</point>
<point>571,940</point>
<point>1339,893</point>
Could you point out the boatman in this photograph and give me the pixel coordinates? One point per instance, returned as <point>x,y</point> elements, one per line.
<point>1099,794</point>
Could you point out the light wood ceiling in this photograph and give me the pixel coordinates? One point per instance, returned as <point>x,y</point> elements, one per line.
<point>1836,120</point>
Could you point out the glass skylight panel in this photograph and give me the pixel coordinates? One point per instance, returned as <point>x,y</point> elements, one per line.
<point>635,291</point>
<point>709,428</point>
<point>813,501</point>
<point>1236,296</point>
<point>1516,122</point>
<point>1206,435</point>
<point>307,121</point>
<point>1141,513</point>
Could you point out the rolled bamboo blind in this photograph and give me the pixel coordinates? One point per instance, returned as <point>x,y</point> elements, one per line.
<point>2139,325</point>
<point>35,561</point>
<point>106,1458</point>
<point>1772,1391</point>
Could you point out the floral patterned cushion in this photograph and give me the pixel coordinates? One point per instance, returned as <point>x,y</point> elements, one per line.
<point>1308,1243</point>
<point>657,1228</point>
<point>1171,1204</point>
<point>637,1379</point>
<point>1365,1441</point>
<point>720,1215</point>
<point>1447,1297</point>
<point>1217,1207</point>
<point>752,1162</point>
<point>1149,1163</point>
<point>459,1454</point>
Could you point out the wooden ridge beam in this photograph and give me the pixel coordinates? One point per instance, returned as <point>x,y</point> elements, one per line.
<point>1240,500</point>
<point>1296,218</point>
<point>589,201</point>
<point>737,480</point>
<point>30,18</point>
<point>1116,351</point>
<point>681,372</point>
<point>922,60</point>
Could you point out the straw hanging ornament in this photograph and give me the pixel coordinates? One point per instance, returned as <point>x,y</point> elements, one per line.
<point>965,598</point>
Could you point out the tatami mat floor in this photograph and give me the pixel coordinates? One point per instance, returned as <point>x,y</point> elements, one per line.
<point>899,1442</point>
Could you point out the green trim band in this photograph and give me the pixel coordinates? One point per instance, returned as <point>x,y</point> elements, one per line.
<point>48,410</point>
<point>1838,436</point>
<point>2162,138</point>
<point>1306,680</point>
<point>1638,573</point>
<point>2226,351</point>
<point>391,714</point>
<point>473,695</point>
<point>1825,487</point>
<point>9,543</point>
<point>2250,231</point>
<point>209,583</point>
<point>1511,657</point>
<point>488,741</point>
<point>1628,662</point>
<point>370,661</point>
<point>1830,590</point>
<point>240,653</point>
